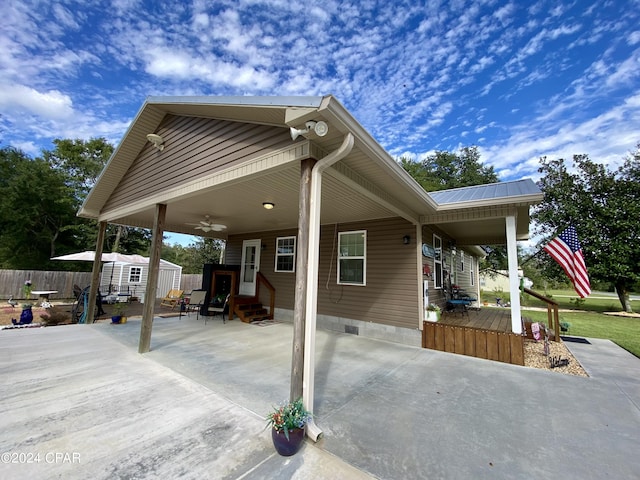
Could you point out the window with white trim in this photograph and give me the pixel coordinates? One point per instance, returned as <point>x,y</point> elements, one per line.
<point>285,254</point>
<point>472,270</point>
<point>437,261</point>
<point>352,258</point>
<point>135,274</point>
<point>461,260</point>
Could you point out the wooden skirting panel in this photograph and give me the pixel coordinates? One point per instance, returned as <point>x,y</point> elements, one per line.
<point>474,342</point>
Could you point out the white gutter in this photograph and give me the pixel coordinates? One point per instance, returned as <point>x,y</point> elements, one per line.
<point>308,372</point>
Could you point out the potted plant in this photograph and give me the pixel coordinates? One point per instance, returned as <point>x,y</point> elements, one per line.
<point>433,312</point>
<point>119,312</point>
<point>288,422</point>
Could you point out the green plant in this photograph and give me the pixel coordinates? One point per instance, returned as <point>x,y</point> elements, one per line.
<point>578,302</point>
<point>288,416</point>
<point>120,309</point>
<point>26,289</point>
<point>432,307</point>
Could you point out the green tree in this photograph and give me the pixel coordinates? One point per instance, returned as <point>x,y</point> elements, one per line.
<point>444,170</point>
<point>604,207</point>
<point>81,162</point>
<point>36,210</point>
<point>194,256</point>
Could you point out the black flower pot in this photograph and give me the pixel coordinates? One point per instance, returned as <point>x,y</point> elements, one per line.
<point>287,447</point>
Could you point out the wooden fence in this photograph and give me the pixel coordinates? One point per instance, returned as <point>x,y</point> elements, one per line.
<point>191,281</point>
<point>474,342</point>
<point>12,282</point>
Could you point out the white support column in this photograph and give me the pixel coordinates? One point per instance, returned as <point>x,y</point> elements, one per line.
<point>419,276</point>
<point>514,281</point>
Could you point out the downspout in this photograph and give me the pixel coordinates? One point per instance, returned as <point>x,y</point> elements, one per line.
<point>308,380</point>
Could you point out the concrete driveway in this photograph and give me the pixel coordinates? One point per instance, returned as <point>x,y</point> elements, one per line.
<point>80,402</point>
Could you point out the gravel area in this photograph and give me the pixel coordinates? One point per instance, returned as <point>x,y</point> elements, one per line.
<point>534,357</point>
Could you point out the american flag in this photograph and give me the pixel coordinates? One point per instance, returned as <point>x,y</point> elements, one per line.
<point>566,250</point>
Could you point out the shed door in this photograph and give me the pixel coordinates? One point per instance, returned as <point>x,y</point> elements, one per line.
<point>165,282</point>
<point>249,266</point>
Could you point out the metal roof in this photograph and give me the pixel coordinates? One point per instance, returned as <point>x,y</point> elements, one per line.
<point>486,193</point>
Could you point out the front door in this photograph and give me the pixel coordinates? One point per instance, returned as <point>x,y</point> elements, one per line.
<point>249,266</point>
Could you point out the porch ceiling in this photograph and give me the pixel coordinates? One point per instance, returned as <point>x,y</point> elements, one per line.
<point>239,205</point>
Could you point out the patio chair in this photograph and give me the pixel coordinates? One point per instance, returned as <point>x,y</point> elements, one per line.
<point>196,301</point>
<point>218,309</point>
<point>455,303</point>
<point>171,299</point>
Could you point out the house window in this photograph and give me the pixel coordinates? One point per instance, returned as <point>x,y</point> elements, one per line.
<point>437,261</point>
<point>135,274</point>
<point>352,257</point>
<point>286,254</point>
<point>472,270</point>
<point>461,261</point>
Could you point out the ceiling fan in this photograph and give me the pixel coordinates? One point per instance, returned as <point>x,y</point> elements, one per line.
<point>207,225</point>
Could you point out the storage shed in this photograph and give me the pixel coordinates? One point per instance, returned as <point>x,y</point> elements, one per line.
<point>130,279</point>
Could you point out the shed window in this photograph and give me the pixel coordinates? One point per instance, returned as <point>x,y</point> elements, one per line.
<point>286,254</point>
<point>352,258</point>
<point>437,261</point>
<point>135,274</point>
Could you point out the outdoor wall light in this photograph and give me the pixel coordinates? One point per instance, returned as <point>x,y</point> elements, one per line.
<point>157,141</point>
<point>406,239</point>
<point>320,128</point>
<point>268,205</point>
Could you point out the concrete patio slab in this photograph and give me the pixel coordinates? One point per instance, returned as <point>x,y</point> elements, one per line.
<point>193,407</point>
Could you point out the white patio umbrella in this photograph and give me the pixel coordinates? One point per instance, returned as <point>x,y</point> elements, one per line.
<point>90,255</point>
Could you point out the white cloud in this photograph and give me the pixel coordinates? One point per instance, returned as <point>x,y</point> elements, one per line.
<point>49,105</point>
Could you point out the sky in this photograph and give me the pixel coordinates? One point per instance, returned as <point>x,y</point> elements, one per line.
<point>519,80</point>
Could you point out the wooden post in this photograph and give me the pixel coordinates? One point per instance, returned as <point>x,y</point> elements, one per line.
<point>300,300</point>
<point>95,273</point>
<point>152,279</point>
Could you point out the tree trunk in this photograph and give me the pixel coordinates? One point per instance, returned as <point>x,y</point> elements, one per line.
<point>623,296</point>
<point>116,242</point>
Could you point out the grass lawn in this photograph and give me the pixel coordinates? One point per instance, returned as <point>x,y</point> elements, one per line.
<point>587,319</point>
<point>624,331</point>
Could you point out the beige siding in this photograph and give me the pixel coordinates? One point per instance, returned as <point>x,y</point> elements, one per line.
<point>283,282</point>
<point>194,147</point>
<point>391,296</point>
<point>435,295</point>
<point>459,277</point>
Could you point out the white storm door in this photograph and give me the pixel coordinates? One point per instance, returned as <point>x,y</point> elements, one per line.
<point>249,266</point>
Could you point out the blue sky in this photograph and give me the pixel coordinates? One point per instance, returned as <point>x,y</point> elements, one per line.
<point>520,80</point>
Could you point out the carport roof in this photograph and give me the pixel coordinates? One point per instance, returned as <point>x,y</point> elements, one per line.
<point>367,184</point>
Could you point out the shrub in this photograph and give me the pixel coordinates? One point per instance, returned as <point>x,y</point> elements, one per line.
<point>55,316</point>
